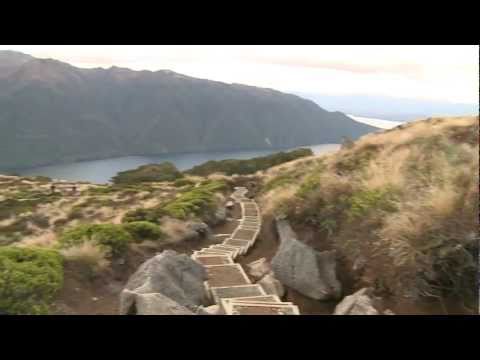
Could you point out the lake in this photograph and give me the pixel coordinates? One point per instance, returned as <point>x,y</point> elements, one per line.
<point>101,171</point>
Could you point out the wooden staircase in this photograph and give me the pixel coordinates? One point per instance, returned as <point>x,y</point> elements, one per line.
<point>228,285</point>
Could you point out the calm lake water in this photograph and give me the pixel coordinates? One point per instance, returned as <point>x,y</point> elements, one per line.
<point>101,171</point>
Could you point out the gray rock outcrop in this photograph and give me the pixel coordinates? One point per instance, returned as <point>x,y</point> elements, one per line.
<point>271,285</point>
<point>359,303</point>
<point>259,268</point>
<point>155,304</point>
<point>304,269</point>
<point>174,276</point>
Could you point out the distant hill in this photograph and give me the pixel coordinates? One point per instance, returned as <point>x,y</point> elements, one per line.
<point>389,108</point>
<point>52,112</point>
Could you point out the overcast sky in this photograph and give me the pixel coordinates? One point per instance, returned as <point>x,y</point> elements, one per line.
<point>449,73</point>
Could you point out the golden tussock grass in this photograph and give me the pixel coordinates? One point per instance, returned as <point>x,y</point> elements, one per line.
<point>87,253</point>
<point>407,195</point>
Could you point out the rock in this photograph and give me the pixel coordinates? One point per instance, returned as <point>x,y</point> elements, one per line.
<point>220,215</point>
<point>271,285</point>
<point>359,263</point>
<point>304,269</point>
<point>193,231</point>
<point>358,303</point>
<point>230,205</point>
<point>259,268</point>
<point>156,304</point>
<point>388,312</point>
<point>94,299</point>
<point>175,276</point>
<point>209,310</point>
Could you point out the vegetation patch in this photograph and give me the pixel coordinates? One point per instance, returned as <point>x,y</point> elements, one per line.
<point>144,230</point>
<point>250,166</point>
<point>165,171</point>
<point>198,201</point>
<point>183,182</point>
<point>151,215</point>
<point>29,279</point>
<point>110,236</point>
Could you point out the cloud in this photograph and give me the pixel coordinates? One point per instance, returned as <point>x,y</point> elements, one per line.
<point>415,71</point>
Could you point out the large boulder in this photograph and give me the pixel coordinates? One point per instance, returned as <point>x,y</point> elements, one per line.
<point>304,269</point>
<point>359,303</point>
<point>209,310</point>
<point>175,276</point>
<point>200,229</point>
<point>154,304</point>
<point>258,268</point>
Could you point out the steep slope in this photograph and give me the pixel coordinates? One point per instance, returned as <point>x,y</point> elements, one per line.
<point>399,206</point>
<point>52,112</point>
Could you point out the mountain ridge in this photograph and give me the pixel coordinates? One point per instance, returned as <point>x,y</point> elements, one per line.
<point>51,111</point>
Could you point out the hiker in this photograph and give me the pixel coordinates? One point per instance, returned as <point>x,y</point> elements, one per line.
<point>74,189</point>
<point>52,188</point>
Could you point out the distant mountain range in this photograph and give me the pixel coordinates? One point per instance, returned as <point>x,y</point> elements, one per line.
<point>52,112</point>
<point>389,108</point>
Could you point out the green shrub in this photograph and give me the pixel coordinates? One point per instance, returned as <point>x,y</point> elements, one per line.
<point>113,237</point>
<point>198,201</point>
<point>183,182</point>
<point>153,215</point>
<point>29,279</point>
<point>165,171</point>
<point>364,201</point>
<point>144,230</point>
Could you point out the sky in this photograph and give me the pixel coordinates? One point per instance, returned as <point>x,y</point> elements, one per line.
<point>435,72</point>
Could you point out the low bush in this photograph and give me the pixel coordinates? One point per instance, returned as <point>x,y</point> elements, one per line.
<point>152,215</point>
<point>113,237</point>
<point>29,279</point>
<point>144,230</point>
<point>198,201</point>
<point>183,182</point>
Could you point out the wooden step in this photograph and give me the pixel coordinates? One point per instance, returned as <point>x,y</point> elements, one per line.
<point>261,309</point>
<point>245,244</point>
<point>212,259</point>
<point>208,251</point>
<point>226,275</point>
<point>222,292</point>
<point>235,249</point>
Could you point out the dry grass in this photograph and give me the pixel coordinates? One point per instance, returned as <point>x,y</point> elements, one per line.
<point>406,199</point>
<point>89,254</point>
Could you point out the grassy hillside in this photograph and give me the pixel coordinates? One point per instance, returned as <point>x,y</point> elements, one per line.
<point>90,231</point>
<point>400,206</point>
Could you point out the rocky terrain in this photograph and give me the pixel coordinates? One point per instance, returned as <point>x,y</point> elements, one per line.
<point>386,225</point>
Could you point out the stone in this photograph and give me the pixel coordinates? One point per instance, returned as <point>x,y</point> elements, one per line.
<point>209,310</point>
<point>271,285</point>
<point>156,304</point>
<point>359,303</point>
<point>201,229</point>
<point>304,269</point>
<point>230,205</point>
<point>259,268</point>
<point>388,312</point>
<point>175,276</point>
